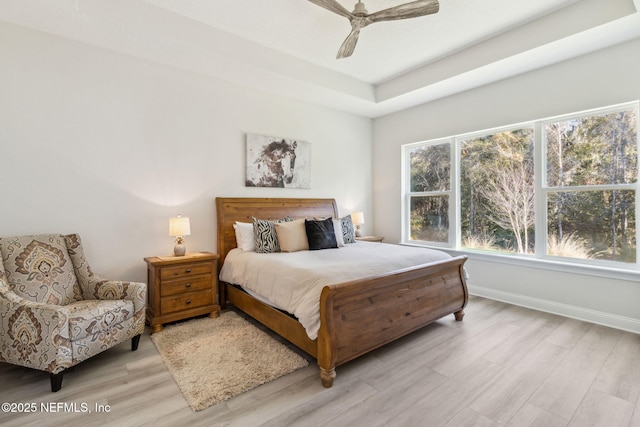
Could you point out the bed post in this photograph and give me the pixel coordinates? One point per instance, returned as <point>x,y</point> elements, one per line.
<point>459,315</point>
<point>327,355</point>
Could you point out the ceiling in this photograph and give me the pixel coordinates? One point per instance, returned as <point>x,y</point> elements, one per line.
<point>289,47</point>
<point>306,31</point>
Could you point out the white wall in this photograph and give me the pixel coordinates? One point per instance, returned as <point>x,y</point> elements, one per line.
<point>596,80</point>
<point>110,146</point>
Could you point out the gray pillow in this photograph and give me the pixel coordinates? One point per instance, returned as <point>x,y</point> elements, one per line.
<point>348,231</point>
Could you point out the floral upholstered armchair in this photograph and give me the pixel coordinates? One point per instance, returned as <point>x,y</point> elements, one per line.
<point>55,312</point>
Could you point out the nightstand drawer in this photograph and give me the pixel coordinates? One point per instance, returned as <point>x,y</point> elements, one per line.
<point>186,301</point>
<point>185,270</point>
<point>189,284</point>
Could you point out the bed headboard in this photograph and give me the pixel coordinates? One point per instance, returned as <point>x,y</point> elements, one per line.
<point>230,210</point>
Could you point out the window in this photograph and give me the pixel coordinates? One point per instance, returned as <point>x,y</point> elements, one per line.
<point>430,181</point>
<point>497,191</point>
<point>561,188</point>
<point>591,172</point>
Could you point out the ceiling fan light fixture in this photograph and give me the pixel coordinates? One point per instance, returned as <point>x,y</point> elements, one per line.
<point>359,9</point>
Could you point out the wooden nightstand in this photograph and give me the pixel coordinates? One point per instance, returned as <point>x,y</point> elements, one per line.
<point>181,287</point>
<point>370,238</point>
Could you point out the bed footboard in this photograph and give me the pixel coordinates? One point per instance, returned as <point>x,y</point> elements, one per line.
<point>362,315</point>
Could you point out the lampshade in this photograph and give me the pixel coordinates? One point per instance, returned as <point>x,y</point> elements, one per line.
<point>179,226</point>
<point>357,218</point>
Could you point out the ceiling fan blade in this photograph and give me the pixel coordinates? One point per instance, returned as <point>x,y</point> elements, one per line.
<point>333,6</point>
<point>407,10</point>
<point>349,44</point>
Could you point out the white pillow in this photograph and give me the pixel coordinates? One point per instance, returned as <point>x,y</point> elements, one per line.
<point>244,236</point>
<point>292,236</point>
<point>337,227</point>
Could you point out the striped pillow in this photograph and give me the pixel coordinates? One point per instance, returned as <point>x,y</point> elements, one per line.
<point>264,233</point>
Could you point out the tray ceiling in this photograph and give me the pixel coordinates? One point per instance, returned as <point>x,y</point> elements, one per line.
<point>289,47</point>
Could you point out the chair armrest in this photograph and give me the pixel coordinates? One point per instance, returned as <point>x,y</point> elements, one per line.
<point>114,289</point>
<point>32,334</point>
<point>94,287</point>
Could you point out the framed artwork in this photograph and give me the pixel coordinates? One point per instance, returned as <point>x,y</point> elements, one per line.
<point>277,162</point>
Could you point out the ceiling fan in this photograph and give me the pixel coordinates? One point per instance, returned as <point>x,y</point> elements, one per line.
<point>360,17</point>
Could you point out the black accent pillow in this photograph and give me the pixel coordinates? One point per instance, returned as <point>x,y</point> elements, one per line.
<point>320,234</point>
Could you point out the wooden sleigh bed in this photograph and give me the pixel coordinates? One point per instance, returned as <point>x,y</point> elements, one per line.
<point>356,317</point>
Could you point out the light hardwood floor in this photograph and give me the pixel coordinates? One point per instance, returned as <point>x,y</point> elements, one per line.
<point>502,366</point>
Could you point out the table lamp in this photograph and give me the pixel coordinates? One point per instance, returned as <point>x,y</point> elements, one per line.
<point>357,218</point>
<point>178,228</point>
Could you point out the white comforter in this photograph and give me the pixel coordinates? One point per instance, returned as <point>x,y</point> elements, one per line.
<point>293,281</point>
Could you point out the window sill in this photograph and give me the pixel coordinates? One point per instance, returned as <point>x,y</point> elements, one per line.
<point>628,274</point>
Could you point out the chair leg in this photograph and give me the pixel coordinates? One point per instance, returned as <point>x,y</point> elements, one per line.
<point>56,381</point>
<point>134,342</point>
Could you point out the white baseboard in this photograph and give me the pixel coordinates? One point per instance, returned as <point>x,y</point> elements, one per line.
<point>606,319</point>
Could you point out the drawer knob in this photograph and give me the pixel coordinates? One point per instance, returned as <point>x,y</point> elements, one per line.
<point>188,301</point>
<point>188,270</point>
<point>188,285</point>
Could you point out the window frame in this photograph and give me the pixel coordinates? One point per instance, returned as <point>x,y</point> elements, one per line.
<point>406,214</point>
<point>540,257</point>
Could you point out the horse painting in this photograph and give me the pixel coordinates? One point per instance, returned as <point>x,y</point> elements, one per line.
<point>271,162</point>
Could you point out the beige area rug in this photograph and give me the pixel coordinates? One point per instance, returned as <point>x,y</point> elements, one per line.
<point>213,360</point>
